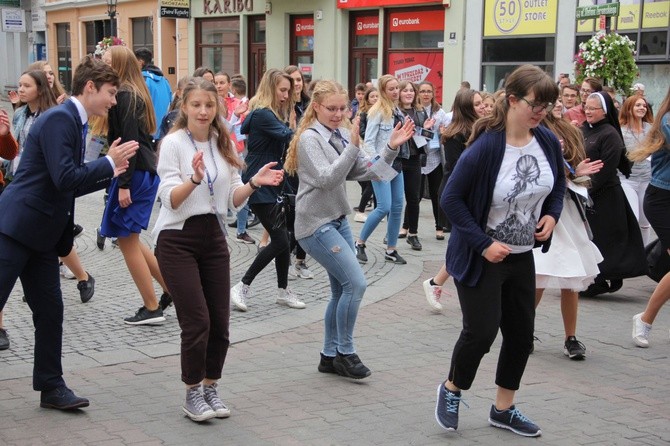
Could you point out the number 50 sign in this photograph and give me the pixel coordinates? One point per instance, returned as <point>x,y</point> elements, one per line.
<point>519,17</point>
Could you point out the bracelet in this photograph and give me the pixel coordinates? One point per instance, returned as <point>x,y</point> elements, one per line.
<point>391,148</point>
<point>197,183</point>
<point>252,185</point>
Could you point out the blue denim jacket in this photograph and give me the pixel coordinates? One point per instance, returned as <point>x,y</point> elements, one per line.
<point>377,136</point>
<point>660,160</point>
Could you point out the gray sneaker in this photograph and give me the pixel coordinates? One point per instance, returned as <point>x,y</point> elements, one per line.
<point>212,398</point>
<point>146,317</point>
<point>195,407</point>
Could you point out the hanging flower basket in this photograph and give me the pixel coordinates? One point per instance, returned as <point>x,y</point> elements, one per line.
<point>609,57</point>
<point>105,43</point>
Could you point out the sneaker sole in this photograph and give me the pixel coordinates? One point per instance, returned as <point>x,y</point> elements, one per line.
<point>152,321</point>
<point>343,372</point>
<point>510,428</point>
<point>199,418</point>
<point>395,261</point>
<point>68,407</point>
<point>437,418</point>
<point>286,304</point>
<point>250,242</point>
<point>239,307</point>
<point>361,261</point>
<point>575,356</point>
<point>222,413</point>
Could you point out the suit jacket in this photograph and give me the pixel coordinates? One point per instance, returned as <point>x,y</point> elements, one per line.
<point>37,208</point>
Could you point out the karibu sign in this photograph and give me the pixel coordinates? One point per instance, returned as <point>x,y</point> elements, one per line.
<point>520,17</point>
<point>227,6</point>
<point>417,67</point>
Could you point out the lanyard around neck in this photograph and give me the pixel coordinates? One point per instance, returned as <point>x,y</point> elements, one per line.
<point>210,181</point>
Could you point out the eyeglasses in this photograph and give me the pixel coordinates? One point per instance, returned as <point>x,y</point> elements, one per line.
<point>566,95</point>
<point>335,109</point>
<point>538,108</point>
<point>589,108</point>
<point>585,91</point>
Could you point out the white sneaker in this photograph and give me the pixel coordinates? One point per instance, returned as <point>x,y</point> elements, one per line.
<point>433,294</point>
<point>238,296</point>
<point>65,272</point>
<point>640,331</point>
<point>293,273</point>
<point>303,271</point>
<point>360,217</point>
<point>286,297</point>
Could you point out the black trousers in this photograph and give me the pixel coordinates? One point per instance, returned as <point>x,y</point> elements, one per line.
<point>411,170</point>
<point>195,263</point>
<point>366,193</point>
<point>503,299</point>
<point>39,276</point>
<point>434,180</point>
<point>277,249</point>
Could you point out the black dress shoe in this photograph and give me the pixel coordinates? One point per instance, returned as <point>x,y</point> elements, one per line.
<point>99,239</point>
<point>615,285</point>
<point>62,398</point>
<point>4,339</point>
<point>600,286</point>
<point>86,288</point>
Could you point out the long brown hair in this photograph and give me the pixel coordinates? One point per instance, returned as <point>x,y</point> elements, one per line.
<point>464,114</point>
<point>523,80</point>
<point>434,105</point>
<point>57,88</point>
<point>572,139</point>
<point>322,90</point>
<point>266,95</point>
<point>45,97</point>
<point>223,143</point>
<point>365,106</point>
<point>655,138</point>
<point>628,118</point>
<point>130,75</point>
<point>416,104</point>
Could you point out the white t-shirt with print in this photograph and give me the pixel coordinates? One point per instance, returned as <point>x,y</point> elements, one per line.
<point>524,181</point>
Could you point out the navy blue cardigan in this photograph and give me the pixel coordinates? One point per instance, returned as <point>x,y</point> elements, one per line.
<point>468,194</point>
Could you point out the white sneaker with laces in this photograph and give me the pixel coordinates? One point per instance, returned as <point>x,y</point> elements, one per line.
<point>286,297</point>
<point>433,295</point>
<point>640,331</point>
<point>239,295</point>
<point>303,271</point>
<point>293,273</point>
<point>65,272</point>
<point>360,217</point>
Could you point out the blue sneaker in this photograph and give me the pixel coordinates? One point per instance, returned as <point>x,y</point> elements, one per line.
<point>513,420</point>
<point>446,409</point>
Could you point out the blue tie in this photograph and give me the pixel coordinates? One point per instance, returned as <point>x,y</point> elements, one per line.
<point>84,132</point>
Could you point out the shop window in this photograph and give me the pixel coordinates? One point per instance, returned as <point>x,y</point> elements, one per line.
<point>363,52</point>
<point>415,40</point>
<point>218,44</point>
<point>302,44</point>
<point>143,33</point>
<point>653,43</point>
<point>518,50</point>
<point>64,50</point>
<point>96,30</point>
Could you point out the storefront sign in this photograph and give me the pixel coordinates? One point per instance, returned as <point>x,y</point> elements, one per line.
<point>416,67</point>
<point>416,21</point>
<point>629,15</point>
<point>367,25</point>
<point>593,11</point>
<point>227,6</point>
<point>13,20</point>
<point>177,9</point>
<point>517,17</point>
<point>11,3</point>
<point>345,4</point>
<point>656,14</point>
<point>304,27</point>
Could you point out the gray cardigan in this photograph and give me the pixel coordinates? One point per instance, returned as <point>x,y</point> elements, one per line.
<point>322,194</point>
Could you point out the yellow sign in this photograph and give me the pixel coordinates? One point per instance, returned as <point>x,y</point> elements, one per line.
<point>520,17</point>
<point>585,26</point>
<point>629,16</point>
<point>656,14</point>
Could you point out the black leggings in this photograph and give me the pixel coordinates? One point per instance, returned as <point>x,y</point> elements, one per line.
<point>657,210</point>
<point>504,298</point>
<point>434,180</point>
<point>411,171</point>
<point>277,249</point>
<point>366,194</point>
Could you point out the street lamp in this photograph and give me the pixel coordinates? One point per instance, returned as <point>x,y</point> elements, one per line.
<point>111,12</point>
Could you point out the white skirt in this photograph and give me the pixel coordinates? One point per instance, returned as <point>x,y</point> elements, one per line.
<point>572,260</point>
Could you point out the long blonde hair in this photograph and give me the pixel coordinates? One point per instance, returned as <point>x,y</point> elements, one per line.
<point>322,90</point>
<point>57,88</point>
<point>384,104</point>
<point>223,143</point>
<point>128,68</point>
<point>655,139</point>
<point>266,96</point>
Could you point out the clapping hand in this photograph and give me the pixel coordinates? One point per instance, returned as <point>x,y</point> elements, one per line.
<point>198,165</point>
<point>13,97</point>
<point>4,123</point>
<point>355,131</point>
<point>588,167</point>
<point>268,176</point>
<point>401,133</point>
<point>121,153</point>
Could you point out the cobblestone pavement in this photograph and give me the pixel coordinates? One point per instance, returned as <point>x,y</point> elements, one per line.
<point>619,395</point>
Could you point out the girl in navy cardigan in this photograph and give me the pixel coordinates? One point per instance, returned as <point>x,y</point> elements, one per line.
<point>504,196</point>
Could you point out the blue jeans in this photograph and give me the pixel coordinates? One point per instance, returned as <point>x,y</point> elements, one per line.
<point>332,245</point>
<point>242,216</point>
<point>390,199</point>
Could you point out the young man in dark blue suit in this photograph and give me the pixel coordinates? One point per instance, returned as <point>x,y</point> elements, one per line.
<point>37,215</point>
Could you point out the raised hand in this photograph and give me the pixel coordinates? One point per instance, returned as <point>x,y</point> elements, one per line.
<point>121,153</point>
<point>588,167</point>
<point>198,164</point>
<point>401,133</point>
<point>13,97</point>
<point>4,123</point>
<point>268,176</point>
<point>355,134</point>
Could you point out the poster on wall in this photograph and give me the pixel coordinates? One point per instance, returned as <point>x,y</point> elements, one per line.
<point>177,9</point>
<point>418,67</point>
<point>656,14</point>
<point>516,17</point>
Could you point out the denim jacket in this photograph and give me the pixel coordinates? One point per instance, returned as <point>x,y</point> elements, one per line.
<point>660,160</point>
<point>377,135</point>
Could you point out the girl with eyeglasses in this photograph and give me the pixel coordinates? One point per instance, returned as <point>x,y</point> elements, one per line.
<point>504,196</point>
<point>616,232</point>
<point>325,153</point>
